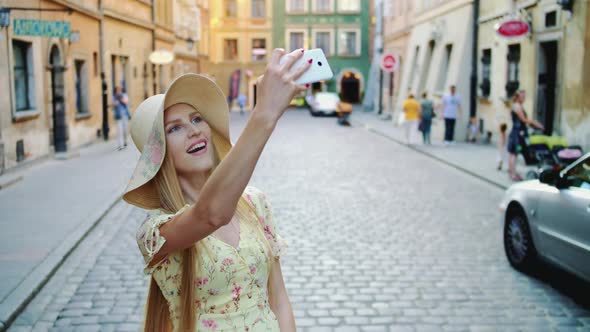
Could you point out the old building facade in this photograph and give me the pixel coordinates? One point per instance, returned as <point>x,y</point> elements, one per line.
<point>53,55</point>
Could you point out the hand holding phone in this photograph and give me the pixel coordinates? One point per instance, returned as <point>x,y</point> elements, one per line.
<point>319,70</point>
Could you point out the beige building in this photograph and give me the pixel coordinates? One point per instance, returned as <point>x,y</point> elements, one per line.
<point>241,33</point>
<point>398,19</point>
<point>54,102</point>
<point>551,65</point>
<point>437,54</point>
<point>52,83</point>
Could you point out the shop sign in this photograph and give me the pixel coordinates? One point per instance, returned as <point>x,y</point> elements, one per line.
<point>513,28</point>
<point>40,28</point>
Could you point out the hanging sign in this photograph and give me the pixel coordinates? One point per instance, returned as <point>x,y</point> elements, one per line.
<point>389,62</point>
<point>26,27</point>
<point>513,28</point>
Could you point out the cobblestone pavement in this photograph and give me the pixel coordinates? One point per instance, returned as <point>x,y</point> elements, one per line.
<point>381,239</point>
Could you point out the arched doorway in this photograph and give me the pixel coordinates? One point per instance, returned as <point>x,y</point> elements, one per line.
<point>350,87</point>
<point>60,135</point>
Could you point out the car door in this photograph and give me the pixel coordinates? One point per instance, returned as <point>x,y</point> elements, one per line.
<point>564,219</point>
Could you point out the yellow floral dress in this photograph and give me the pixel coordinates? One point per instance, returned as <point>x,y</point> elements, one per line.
<point>231,283</point>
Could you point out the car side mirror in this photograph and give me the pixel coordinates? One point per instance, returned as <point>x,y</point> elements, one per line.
<point>548,177</point>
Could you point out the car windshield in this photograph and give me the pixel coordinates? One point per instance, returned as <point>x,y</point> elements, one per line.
<point>579,176</point>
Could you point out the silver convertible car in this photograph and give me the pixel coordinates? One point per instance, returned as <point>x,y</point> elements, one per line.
<point>549,218</point>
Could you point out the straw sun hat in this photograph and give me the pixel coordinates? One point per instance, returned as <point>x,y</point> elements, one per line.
<point>147,131</point>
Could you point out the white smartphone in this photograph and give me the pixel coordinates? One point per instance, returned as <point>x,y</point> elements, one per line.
<point>319,70</point>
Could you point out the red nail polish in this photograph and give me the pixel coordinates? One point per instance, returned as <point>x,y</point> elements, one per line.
<point>310,61</point>
<point>302,50</point>
<point>307,85</point>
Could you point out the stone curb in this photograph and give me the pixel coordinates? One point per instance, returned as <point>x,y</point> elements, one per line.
<point>24,293</point>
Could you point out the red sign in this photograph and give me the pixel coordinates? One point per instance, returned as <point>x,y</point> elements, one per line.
<point>513,28</point>
<point>389,62</point>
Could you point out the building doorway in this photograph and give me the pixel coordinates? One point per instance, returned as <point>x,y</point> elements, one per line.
<point>60,134</point>
<point>350,87</point>
<point>547,85</point>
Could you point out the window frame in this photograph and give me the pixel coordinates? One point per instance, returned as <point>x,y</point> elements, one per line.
<point>252,50</point>
<point>358,42</point>
<point>84,86</point>
<point>225,11</point>
<point>512,85</point>
<point>288,37</point>
<point>252,9</point>
<point>443,75</point>
<point>289,11</point>
<point>485,85</point>
<point>29,77</point>
<point>314,33</point>
<point>237,49</point>
<point>316,11</point>
<point>348,11</point>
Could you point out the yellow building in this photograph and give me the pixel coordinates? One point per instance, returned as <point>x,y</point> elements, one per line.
<point>241,33</point>
<point>552,65</point>
<point>54,53</point>
<point>52,82</point>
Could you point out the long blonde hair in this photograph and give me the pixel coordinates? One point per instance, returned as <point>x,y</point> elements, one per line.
<point>157,317</point>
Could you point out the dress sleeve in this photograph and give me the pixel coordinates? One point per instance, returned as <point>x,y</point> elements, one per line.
<point>264,211</point>
<point>148,236</point>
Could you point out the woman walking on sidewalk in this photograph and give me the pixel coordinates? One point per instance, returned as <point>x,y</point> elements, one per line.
<point>210,243</point>
<point>426,117</point>
<point>518,134</point>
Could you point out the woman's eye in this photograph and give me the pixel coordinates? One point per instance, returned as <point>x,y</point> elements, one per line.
<point>173,129</point>
<point>197,119</point>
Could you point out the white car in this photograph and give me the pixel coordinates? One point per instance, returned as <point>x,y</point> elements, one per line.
<point>549,218</point>
<point>323,103</point>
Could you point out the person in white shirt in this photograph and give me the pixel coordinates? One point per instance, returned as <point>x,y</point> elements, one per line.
<point>451,105</point>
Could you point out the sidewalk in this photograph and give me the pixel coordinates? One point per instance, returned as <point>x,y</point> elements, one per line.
<point>476,159</point>
<point>46,214</point>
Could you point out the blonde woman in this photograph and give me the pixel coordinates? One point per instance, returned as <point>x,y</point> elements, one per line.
<point>210,243</point>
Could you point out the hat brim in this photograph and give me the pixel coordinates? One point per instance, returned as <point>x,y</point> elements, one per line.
<point>207,98</point>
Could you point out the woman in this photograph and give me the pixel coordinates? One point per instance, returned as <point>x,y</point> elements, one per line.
<point>426,117</point>
<point>411,109</point>
<point>518,134</point>
<point>210,243</point>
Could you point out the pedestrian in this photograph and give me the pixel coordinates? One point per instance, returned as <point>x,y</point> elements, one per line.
<point>472,130</point>
<point>426,116</point>
<point>451,105</point>
<point>242,103</point>
<point>518,133</point>
<point>122,116</point>
<point>502,151</point>
<point>210,243</point>
<point>411,109</point>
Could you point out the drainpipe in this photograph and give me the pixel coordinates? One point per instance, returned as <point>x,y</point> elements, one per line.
<point>154,84</point>
<point>103,79</point>
<point>474,53</point>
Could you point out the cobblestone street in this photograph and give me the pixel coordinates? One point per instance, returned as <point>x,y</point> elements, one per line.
<point>381,238</point>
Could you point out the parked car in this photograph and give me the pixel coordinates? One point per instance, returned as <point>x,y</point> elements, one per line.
<point>549,218</point>
<point>323,103</point>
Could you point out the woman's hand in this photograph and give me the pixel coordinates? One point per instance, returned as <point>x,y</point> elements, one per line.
<point>277,87</point>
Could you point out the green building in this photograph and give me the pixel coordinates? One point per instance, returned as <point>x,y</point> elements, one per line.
<point>342,28</point>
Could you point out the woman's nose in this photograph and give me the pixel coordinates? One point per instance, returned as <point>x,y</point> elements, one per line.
<point>194,131</point>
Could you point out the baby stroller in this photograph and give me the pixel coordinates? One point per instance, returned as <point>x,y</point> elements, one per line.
<point>548,153</point>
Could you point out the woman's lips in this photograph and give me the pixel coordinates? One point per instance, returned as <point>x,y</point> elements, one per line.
<point>200,152</point>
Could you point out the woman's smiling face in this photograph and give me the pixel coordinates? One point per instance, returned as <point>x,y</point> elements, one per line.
<point>188,140</point>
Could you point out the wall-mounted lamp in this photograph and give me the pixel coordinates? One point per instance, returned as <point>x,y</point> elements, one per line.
<point>190,43</point>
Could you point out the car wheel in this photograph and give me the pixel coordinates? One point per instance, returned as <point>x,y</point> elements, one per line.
<point>518,242</point>
<point>314,113</point>
<point>532,175</point>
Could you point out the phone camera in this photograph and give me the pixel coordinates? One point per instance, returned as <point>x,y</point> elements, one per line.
<point>319,63</point>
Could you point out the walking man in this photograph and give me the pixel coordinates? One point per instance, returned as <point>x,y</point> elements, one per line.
<point>120,101</point>
<point>451,105</point>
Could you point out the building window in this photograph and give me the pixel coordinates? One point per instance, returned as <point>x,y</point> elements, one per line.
<point>349,5</point>
<point>231,8</point>
<point>296,40</point>
<point>81,82</point>
<point>349,43</point>
<point>296,6</point>
<point>258,49</point>
<point>444,68</point>
<point>258,8</point>
<point>323,40</point>
<point>24,89</point>
<point>414,68</point>
<point>230,49</point>
<point>513,69</point>
<point>551,19</point>
<point>486,73</point>
<point>322,6</point>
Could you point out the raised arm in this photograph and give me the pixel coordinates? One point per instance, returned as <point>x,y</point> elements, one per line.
<point>219,196</point>
<point>520,113</point>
